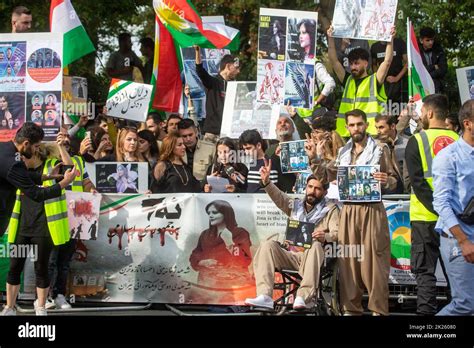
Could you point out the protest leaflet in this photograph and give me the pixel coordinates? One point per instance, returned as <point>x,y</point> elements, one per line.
<point>364,19</point>
<point>293,157</point>
<point>299,233</point>
<point>119,177</point>
<point>286,57</point>
<point>357,184</point>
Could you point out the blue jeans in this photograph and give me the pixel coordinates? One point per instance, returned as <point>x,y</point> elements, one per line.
<point>461,279</point>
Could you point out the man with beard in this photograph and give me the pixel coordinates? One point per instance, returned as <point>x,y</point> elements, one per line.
<point>271,255</point>
<point>14,174</point>
<point>361,90</point>
<point>419,154</point>
<point>365,224</point>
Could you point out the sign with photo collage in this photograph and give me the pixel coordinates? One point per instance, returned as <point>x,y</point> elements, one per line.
<point>30,82</point>
<point>286,57</point>
<point>357,184</point>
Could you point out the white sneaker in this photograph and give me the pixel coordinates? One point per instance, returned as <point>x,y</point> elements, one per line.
<point>260,301</point>
<point>50,303</point>
<point>40,311</point>
<point>7,311</point>
<point>299,303</point>
<point>61,302</point>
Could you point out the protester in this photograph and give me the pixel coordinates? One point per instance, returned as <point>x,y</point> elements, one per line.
<point>122,62</point>
<point>229,69</point>
<point>271,255</point>
<point>453,179</point>
<point>147,48</point>
<point>22,19</point>
<point>359,84</point>
<point>226,164</point>
<point>433,57</point>
<point>171,173</point>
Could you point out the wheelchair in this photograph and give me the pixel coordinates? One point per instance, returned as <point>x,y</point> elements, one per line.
<point>326,301</point>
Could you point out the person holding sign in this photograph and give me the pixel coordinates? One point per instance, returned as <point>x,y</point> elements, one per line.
<point>365,224</point>
<point>361,90</point>
<point>271,255</point>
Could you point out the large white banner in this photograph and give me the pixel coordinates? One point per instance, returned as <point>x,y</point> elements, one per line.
<point>364,19</point>
<point>168,248</point>
<point>30,82</point>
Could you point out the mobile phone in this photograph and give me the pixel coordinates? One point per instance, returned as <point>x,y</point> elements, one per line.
<point>88,135</point>
<point>64,168</point>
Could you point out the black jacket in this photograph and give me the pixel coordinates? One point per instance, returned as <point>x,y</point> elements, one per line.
<point>438,57</point>
<point>13,175</point>
<point>215,96</point>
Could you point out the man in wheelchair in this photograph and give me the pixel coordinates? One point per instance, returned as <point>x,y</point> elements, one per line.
<point>272,256</point>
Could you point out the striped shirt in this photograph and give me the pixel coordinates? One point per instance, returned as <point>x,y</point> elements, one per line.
<point>253,177</point>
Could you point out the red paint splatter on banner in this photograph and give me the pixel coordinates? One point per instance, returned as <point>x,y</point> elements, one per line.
<point>82,208</point>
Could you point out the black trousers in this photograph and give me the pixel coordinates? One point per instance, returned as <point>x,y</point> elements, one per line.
<point>59,262</point>
<point>425,254</point>
<point>42,247</point>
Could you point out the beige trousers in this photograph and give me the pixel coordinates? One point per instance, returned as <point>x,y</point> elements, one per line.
<point>365,225</point>
<point>270,257</point>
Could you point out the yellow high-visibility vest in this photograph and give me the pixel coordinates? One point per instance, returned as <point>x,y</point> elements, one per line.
<point>367,97</point>
<point>55,210</point>
<point>430,142</point>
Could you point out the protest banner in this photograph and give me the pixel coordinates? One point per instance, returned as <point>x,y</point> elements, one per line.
<point>151,248</point>
<point>129,100</point>
<point>30,82</point>
<point>465,78</point>
<point>242,111</point>
<point>83,210</point>
<point>286,57</point>
<point>364,19</point>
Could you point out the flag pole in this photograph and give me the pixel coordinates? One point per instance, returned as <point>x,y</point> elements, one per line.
<point>410,63</point>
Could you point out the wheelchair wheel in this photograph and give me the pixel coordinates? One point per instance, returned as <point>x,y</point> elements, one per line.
<point>329,290</point>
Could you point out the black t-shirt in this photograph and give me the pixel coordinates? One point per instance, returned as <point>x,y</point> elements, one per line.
<point>377,52</point>
<point>13,175</point>
<point>33,221</point>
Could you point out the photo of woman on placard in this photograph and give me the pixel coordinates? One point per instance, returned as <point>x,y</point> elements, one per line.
<point>222,255</point>
<point>125,179</point>
<point>277,42</point>
<point>302,40</point>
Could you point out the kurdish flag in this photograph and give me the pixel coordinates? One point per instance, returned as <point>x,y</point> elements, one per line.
<point>187,28</point>
<point>166,78</point>
<point>420,83</point>
<point>63,19</point>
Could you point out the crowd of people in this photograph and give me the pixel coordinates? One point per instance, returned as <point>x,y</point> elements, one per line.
<point>362,131</point>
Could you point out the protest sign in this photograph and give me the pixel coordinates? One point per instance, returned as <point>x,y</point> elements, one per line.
<point>357,184</point>
<point>465,78</point>
<point>129,100</point>
<point>30,82</point>
<point>286,57</point>
<point>83,210</point>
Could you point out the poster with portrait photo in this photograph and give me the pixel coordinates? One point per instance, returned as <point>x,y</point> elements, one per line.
<point>299,85</point>
<point>270,81</point>
<point>302,34</point>
<point>12,59</point>
<point>44,109</point>
<point>74,96</point>
<point>120,177</point>
<point>242,111</point>
<point>12,114</point>
<point>299,233</point>
<point>293,157</point>
<point>357,184</point>
<point>300,183</point>
<point>465,77</point>
<point>271,37</point>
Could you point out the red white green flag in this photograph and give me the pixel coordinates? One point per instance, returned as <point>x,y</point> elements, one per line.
<point>63,19</point>
<point>420,83</point>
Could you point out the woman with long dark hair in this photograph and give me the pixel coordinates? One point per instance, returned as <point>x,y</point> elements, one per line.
<point>226,164</point>
<point>148,147</point>
<point>222,255</point>
<point>306,29</point>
